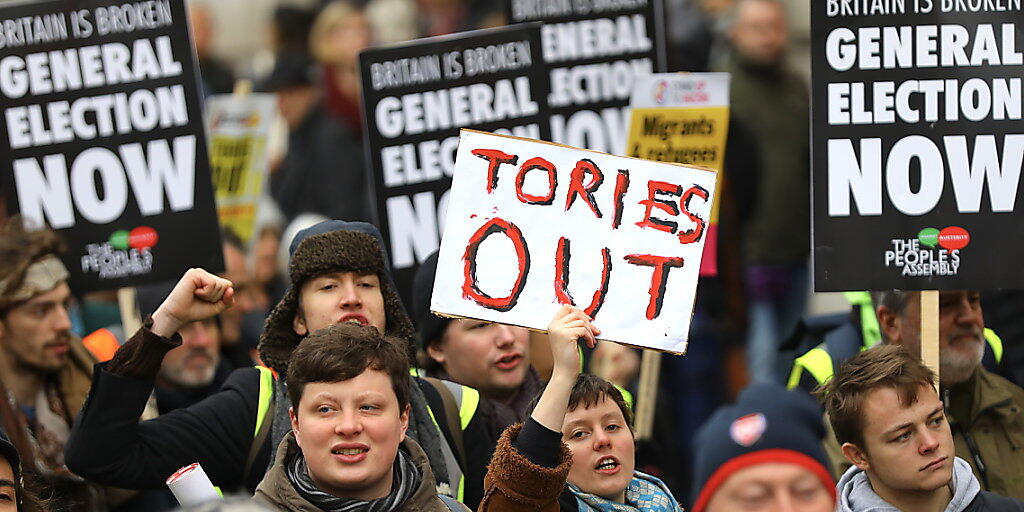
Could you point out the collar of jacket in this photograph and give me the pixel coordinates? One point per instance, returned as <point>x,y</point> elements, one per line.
<point>990,394</point>
<point>276,489</point>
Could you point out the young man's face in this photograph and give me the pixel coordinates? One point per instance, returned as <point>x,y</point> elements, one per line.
<point>340,297</point>
<point>490,357</point>
<point>772,486</point>
<point>349,434</point>
<point>907,447</point>
<point>602,449</point>
<point>193,364</point>
<point>37,334</point>
<point>961,331</point>
<point>8,493</point>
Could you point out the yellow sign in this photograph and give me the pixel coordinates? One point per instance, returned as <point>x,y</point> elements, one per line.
<point>238,128</point>
<point>683,118</point>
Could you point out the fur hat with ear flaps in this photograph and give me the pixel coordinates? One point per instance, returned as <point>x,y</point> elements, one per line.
<point>331,246</point>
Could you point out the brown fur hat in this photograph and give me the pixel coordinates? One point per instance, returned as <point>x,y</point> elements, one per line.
<point>330,246</point>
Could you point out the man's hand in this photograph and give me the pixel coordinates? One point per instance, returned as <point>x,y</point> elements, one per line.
<point>197,296</point>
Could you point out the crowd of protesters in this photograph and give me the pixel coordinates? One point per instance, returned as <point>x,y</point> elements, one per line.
<point>299,379</point>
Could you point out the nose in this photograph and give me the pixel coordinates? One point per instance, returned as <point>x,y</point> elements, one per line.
<point>784,502</point>
<point>506,335</point>
<point>968,311</point>
<point>601,439</point>
<point>348,424</point>
<point>200,335</point>
<point>349,298</point>
<point>62,319</point>
<point>929,442</point>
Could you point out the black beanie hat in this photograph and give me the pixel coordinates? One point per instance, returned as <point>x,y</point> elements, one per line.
<point>331,246</point>
<point>430,325</point>
<point>766,424</point>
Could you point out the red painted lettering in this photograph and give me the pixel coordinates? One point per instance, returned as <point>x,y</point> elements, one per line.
<point>494,159</point>
<point>577,188</point>
<point>529,165</point>
<point>692,235</point>
<point>470,287</point>
<point>621,185</point>
<point>562,278</point>
<point>662,265</point>
<point>652,202</point>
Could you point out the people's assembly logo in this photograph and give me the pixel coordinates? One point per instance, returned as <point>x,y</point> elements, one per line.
<point>933,253</point>
<point>126,253</point>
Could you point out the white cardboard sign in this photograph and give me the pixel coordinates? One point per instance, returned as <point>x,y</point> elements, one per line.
<point>532,225</point>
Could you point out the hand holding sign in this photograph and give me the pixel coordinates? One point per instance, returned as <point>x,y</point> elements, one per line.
<point>197,296</point>
<point>569,326</point>
<point>534,225</point>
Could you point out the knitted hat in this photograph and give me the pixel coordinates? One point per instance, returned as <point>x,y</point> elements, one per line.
<point>766,424</point>
<point>9,452</point>
<point>330,246</point>
<point>430,325</point>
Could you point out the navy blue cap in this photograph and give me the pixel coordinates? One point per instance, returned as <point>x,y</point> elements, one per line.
<point>766,424</point>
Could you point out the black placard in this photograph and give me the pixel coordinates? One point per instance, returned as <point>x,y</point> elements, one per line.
<point>103,138</point>
<point>593,49</point>
<point>416,97</point>
<point>917,144</point>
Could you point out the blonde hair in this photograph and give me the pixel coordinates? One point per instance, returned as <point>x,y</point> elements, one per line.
<point>326,22</point>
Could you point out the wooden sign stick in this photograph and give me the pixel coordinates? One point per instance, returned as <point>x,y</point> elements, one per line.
<point>130,320</point>
<point>930,331</point>
<point>647,393</point>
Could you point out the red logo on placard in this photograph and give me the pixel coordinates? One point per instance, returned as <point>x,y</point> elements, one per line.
<point>142,237</point>
<point>954,237</point>
<point>659,91</point>
<point>748,429</point>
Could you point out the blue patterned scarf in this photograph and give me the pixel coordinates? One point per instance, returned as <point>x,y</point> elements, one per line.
<point>644,493</point>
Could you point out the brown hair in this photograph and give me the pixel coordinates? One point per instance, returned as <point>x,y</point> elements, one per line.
<point>589,390</point>
<point>19,249</point>
<point>884,366</point>
<point>344,351</point>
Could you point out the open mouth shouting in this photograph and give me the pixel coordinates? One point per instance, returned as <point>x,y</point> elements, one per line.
<point>349,453</point>
<point>608,465</point>
<point>509,361</point>
<point>354,318</point>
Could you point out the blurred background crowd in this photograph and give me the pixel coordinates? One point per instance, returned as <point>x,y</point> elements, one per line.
<point>749,324</point>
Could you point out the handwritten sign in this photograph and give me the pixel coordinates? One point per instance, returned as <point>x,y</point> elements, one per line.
<point>532,225</point>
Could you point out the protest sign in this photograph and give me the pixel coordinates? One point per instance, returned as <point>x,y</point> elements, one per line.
<point>594,50</point>
<point>416,97</point>
<point>103,138</point>
<point>683,118</point>
<point>532,225</point>
<point>917,144</point>
<point>239,126</point>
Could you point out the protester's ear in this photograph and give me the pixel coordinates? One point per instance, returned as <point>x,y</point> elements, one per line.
<point>299,325</point>
<point>405,419</point>
<point>888,321</point>
<point>295,424</point>
<point>856,456</point>
<point>435,352</point>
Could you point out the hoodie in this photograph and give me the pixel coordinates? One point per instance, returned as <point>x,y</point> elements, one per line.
<point>856,495</point>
